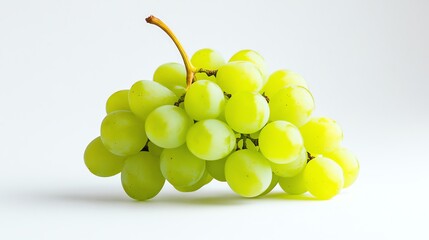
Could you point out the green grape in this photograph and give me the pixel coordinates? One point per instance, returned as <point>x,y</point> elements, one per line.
<point>100,161</point>
<point>280,79</point>
<point>247,112</point>
<point>323,177</point>
<point>204,100</point>
<point>179,91</point>
<point>273,184</point>
<point>280,142</point>
<point>217,169</point>
<point>348,163</point>
<point>205,179</point>
<point>180,167</point>
<point>123,133</point>
<point>145,96</point>
<point>210,139</point>
<point>248,173</point>
<point>253,57</point>
<point>141,176</point>
<point>207,59</point>
<point>249,145</point>
<point>294,104</point>
<point>239,76</point>
<point>221,116</point>
<point>171,75</point>
<point>118,101</point>
<point>293,185</point>
<point>292,168</point>
<point>255,135</point>
<point>167,126</point>
<point>154,149</point>
<point>321,135</point>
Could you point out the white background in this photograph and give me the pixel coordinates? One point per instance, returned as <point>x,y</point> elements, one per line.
<point>366,63</point>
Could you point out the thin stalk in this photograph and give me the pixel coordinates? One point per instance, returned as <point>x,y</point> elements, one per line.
<point>190,70</point>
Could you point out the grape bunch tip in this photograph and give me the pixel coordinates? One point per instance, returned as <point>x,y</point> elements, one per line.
<point>232,121</point>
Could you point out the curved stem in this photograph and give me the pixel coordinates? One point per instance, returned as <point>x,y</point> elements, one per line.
<point>190,70</point>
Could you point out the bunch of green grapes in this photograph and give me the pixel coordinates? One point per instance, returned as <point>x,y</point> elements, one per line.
<point>233,122</point>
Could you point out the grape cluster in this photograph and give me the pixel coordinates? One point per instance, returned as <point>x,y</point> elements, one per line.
<point>233,122</point>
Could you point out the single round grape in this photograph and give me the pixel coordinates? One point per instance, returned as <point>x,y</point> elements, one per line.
<point>217,169</point>
<point>204,100</point>
<point>141,176</point>
<point>207,59</point>
<point>348,163</point>
<point>248,173</point>
<point>280,79</point>
<point>323,177</point>
<point>145,96</point>
<point>154,149</point>
<point>247,112</point>
<point>253,57</point>
<point>122,133</point>
<point>100,161</point>
<point>167,126</point>
<point>294,104</point>
<point>239,76</point>
<point>273,184</point>
<point>321,135</point>
<point>280,142</point>
<point>205,179</point>
<point>170,75</point>
<point>118,101</point>
<point>210,139</point>
<point>180,167</point>
<point>293,185</point>
<point>292,168</point>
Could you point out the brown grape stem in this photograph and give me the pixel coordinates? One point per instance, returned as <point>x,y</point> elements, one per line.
<point>310,157</point>
<point>190,70</point>
<point>207,72</point>
<point>266,97</point>
<point>180,100</point>
<point>244,137</point>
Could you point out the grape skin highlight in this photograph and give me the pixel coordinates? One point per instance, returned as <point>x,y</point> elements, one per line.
<point>122,133</point>
<point>248,173</point>
<point>321,135</point>
<point>247,112</point>
<point>348,163</point>
<point>323,177</point>
<point>280,142</point>
<point>239,76</point>
<point>210,139</point>
<point>145,96</point>
<point>294,104</point>
<point>167,126</point>
<point>253,57</point>
<point>292,168</point>
<point>204,100</point>
<point>280,79</point>
<point>273,184</point>
<point>172,76</point>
